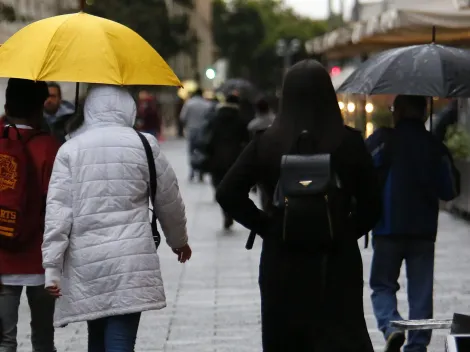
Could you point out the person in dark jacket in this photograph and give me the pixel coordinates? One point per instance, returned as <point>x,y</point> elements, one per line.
<point>418,171</point>
<point>294,315</point>
<point>229,136</point>
<point>57,112</point>
<point>264,117</point>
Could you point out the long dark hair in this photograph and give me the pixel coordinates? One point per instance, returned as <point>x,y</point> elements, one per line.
<point>308,102</point>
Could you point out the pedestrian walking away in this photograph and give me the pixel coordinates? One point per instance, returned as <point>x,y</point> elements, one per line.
<point>26,158</point>
<point>149,119</point>
<point>229,136</point>
<point>99,251</point>
<point>311,296</point>
<point>264,117</point>
<point>416,171</point>
<point>193,115</point>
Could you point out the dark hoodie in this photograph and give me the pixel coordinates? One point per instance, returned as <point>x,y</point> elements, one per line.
<point>294,316</point>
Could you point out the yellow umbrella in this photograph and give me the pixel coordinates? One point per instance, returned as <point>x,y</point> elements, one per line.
<point>83,48</point>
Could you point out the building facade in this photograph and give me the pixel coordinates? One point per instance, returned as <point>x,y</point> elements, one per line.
<point>27,11</point>
<point>194,67</point>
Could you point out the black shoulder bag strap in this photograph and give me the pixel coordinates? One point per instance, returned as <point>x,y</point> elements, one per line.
<point>152,186</point>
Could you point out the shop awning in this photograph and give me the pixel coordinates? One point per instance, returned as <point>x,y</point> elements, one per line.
<point>394,28</point>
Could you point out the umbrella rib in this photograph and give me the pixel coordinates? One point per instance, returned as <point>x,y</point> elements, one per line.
<point>47,52</point>
<point>392,61</point>
<point>118,67</point>
<point>441,71</point>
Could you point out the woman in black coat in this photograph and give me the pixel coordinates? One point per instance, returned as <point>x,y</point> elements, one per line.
<point>296,316</point>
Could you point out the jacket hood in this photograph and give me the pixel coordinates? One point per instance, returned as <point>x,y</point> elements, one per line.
<point>309,102</point>
<point>108,105</point>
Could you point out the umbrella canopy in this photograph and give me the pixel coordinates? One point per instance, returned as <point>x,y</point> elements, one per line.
<point>245,89</point>
<point>83,48</point>
<point>426,70</point>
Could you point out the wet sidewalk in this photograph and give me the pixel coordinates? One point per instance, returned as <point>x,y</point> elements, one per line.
<point>213,301</point>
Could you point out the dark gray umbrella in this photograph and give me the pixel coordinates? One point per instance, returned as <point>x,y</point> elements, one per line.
<point>428,70</point>
<point>245,88</point>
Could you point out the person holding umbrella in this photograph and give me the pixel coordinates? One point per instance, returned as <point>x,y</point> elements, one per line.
<point>98,251</point>
<point>416,171</point>
<point>97,217</point>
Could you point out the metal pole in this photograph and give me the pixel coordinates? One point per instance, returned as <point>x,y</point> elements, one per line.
<point>287,61</point>
<point>77,97</point>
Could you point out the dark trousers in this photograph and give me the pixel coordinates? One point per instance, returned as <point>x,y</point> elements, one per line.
<point>113,334</point>
<point>192,141</point>
<point>41,305</point>
<point>418,254</point>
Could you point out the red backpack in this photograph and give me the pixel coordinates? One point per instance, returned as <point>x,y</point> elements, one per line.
<point>21,199</point>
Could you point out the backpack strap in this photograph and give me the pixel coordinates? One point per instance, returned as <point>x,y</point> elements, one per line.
<point>153,186</point>
<point>302,136</point>
<point>20,136</point>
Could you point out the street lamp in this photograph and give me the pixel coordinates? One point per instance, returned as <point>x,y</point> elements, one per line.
<point>286,49</point>
<point>210,74</point>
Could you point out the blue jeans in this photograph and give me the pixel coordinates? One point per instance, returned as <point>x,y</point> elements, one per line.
<point>389,253</point>
<point>113,334</point>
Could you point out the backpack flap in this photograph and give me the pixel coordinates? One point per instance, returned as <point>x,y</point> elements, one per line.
<point>303,175</point>
<point>303,193</point>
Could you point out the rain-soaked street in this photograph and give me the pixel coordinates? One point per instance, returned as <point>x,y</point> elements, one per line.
<point>213,301</point>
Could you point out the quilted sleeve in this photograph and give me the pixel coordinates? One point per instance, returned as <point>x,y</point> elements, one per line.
<point>169,207</point>
<point>58,222</point>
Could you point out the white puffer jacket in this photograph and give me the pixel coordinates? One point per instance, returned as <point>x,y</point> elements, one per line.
<point>98,244</point>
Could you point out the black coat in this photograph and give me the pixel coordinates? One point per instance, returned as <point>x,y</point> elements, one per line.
<point>229,135</point>
<point>294,316</point>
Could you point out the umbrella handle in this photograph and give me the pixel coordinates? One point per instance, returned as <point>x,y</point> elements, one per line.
<point>77,96</point>
<point>82,5</point>
<point>431,111</point>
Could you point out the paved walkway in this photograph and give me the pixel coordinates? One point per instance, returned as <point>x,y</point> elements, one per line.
<point>213,301</point>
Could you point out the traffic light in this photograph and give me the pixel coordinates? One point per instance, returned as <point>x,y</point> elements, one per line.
<point>335,70</point>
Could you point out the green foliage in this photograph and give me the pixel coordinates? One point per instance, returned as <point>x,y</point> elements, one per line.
<point>151,20</point>
<point>236,32</point>
<point>335,21</point>
<point>246,33</point>
<point>458,141</point>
